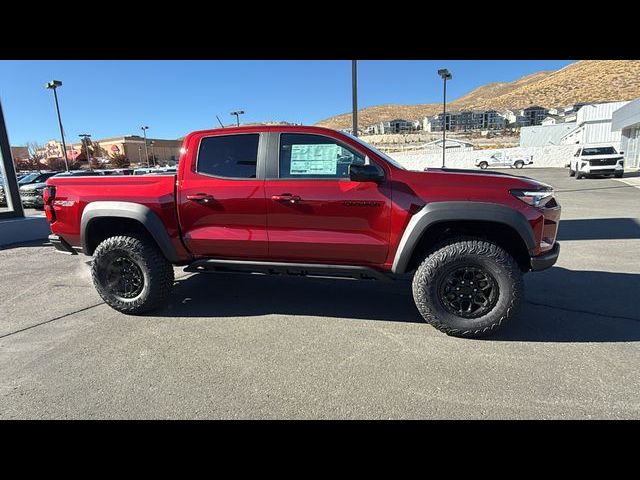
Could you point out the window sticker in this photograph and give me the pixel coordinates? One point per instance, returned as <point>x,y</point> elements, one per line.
<point>314,159</point>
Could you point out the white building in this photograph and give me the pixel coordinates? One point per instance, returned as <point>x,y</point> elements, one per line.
<point>593,126</point>
<point>626,120</point>
<point>543,135</point>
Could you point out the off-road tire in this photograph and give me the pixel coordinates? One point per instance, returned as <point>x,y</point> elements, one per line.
<point>144,253</point>
<point>483,165</point>
<point>479,253</point>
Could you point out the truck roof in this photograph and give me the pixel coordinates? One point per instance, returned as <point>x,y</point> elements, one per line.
<point>268,128</point>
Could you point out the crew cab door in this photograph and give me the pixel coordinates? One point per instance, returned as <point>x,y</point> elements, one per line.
<point>315,213</point>
<point>221,203</point>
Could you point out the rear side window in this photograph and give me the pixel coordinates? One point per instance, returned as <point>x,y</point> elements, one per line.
<point>230,156</point>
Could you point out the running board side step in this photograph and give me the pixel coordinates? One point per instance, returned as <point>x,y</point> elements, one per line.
<point>280,268</point>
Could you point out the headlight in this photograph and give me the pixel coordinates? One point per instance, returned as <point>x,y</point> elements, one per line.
<point>535,198</point>
<point>39,190</point>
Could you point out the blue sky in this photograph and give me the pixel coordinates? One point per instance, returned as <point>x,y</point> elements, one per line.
<point>108,98</point>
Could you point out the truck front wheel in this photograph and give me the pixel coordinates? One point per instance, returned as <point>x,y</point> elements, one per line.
<point>468,287</point>
<point>131,274</point>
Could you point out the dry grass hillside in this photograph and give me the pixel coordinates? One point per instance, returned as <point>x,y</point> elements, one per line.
<point>583,81</point>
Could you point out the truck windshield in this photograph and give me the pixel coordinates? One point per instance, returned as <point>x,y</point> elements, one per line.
<point>377,152</point>
<point>599,151</point>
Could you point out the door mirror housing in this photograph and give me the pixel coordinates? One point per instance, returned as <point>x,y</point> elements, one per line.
<point>366,173</point>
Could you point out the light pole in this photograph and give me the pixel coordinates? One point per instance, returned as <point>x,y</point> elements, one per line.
<point>146,152</point>
<point>140,156</point>
<point>53,85</point>
<point>237,113</point>
<point>85,138</point>
<point>446,75</point>
<point>354,96</point>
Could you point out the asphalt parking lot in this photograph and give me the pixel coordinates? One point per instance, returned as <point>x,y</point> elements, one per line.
<point>255,347</point>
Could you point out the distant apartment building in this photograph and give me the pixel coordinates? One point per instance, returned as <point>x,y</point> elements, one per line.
<point>465,121</point>
<point>533,116</point>
<point>397,125</point>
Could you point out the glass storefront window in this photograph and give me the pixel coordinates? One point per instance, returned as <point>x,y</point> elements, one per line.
<point>10,205</point>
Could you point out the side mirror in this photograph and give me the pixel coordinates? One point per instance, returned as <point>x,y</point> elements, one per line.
<point>621,153</point>
<point>366,173</point>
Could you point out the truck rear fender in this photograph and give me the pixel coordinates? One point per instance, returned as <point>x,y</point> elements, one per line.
<point>437,213</point>
<point>141,214</point>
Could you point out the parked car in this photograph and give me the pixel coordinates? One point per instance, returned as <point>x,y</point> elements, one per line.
<point>501,159</point>
<point>589,161</point>
<point>284,200</point>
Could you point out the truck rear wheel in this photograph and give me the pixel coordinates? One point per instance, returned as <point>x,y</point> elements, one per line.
<point>519,164</point>
<point>131,274</point>
<point>468,287</point>
<point>483,165</point>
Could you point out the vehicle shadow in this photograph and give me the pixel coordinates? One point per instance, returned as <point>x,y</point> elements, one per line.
<point>561,306</point>
<point>599,229</point>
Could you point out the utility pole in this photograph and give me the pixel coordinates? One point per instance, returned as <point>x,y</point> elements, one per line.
<point>354,95</point>
<point>53,85</point>
<point>446,75</point>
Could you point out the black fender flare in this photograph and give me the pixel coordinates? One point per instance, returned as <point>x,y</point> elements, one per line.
<point>438,212</point>
<point>135,211</point>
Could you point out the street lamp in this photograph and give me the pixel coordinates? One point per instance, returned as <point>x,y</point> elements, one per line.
<point>146,152</point>
<point>53,85</point>
<point>237,113</point>
<point>354,95</point>
<point>446,75</point>
<point>85,139</point>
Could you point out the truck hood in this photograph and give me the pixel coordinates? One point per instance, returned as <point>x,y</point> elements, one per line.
<point>467,185</point>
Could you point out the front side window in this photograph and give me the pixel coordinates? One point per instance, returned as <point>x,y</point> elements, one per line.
<point>230,156</point>
<point>315,156</point>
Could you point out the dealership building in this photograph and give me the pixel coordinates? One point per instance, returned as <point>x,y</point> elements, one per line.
<point>626,120</point>
<point>166,152</point>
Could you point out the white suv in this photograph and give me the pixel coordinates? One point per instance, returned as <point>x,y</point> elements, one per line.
<point>596,161</point>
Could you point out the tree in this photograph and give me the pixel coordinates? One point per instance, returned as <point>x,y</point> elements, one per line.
<point>120,161</point>
<point>36,155</point>
<point>55,164</point>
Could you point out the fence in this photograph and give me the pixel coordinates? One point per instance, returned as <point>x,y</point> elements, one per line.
<point>548,156</point>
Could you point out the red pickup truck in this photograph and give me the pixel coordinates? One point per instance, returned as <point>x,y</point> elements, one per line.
<point>311,201</point>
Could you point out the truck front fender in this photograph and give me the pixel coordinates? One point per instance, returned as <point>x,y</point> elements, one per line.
<point>438,212</point>
<point>135,211</point>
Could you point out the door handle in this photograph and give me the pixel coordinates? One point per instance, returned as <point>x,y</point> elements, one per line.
<point>286,197</point>
<point>200,197</point>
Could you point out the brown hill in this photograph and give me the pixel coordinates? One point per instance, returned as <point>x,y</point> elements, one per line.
<point>583,81</point>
